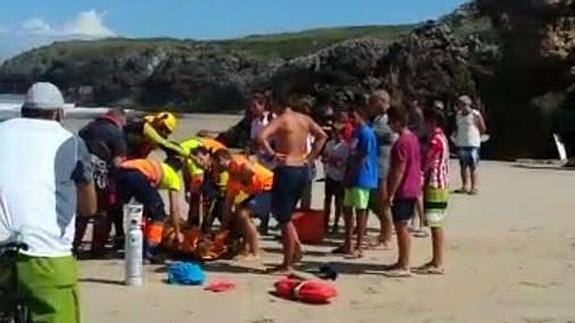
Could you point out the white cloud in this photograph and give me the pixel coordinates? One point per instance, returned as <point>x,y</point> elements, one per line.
<point>86,25</point>
<point>36,27</point>
<point>36,31</point>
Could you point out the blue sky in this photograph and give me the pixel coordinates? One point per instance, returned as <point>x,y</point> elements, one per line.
<point>28,23</point>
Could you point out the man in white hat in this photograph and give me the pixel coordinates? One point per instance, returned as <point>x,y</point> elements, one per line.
<point>470,128</point>
<point>45,177</point>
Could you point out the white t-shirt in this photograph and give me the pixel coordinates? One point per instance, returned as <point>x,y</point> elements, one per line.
<point>339,151</point>
<point>256,128</point>
<point>40,163</point>
<point>258,124</point>
<point>468,134</point>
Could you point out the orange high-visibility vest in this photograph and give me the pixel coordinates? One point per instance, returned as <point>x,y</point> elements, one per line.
<point>212,144</point>
<point>261,181</point>
<point>151,168</point>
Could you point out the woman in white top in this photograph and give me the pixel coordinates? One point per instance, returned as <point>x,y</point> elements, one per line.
<point>260,118</point>
<point>470,128</point>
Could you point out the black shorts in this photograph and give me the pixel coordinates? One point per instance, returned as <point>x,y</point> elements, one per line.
<point>334,188</point>
<point>374,197</point>
<point>259,205</point>
<point>210,188</point>
<point>132,183</point>
<point>403,209</point>
<point>288,187</point>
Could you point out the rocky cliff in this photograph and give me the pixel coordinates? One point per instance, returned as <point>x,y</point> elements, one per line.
<point>534,82</point>
<point>215,76</point>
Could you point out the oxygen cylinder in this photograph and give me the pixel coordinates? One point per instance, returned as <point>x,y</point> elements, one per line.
<point>134,245</point>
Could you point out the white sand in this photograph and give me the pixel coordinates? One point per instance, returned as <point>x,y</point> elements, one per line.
<point>510,258</point>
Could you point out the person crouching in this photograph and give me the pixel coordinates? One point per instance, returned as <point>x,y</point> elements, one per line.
<point>142,179</point>
<point>254,180</point>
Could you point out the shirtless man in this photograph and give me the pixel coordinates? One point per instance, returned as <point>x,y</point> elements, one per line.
<point>290,131</point>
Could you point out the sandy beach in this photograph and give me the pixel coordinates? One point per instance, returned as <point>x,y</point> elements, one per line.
<point>510,258</point>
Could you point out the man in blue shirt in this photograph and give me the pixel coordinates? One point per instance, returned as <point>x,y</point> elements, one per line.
<point>361,177</point>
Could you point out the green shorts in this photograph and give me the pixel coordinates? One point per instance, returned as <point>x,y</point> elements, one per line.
<point>47,285</point>
<point>356,197</point>
<point>435,205</point>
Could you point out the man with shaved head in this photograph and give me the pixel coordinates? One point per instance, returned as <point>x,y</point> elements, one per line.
<point>379,103</point>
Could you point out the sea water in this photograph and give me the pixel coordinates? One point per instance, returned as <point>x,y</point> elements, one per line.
<point>10,105</point>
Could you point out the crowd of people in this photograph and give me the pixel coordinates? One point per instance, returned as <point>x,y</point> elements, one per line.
<point>388,160</point>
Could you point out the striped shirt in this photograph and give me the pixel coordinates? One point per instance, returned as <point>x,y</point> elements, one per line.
<point>437,163</point>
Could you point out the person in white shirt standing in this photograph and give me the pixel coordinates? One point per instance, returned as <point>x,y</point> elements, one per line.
<point>261,116</point>
<point>470,127</point>
<point>335,155</point>
<point>45,177</point>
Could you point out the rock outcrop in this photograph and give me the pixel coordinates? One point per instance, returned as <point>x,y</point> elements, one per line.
<point>431,63</point>
<point>521,73</point>
<point>534,82</point>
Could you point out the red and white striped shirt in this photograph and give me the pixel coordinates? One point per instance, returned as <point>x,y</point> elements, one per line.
<point>437,161</point>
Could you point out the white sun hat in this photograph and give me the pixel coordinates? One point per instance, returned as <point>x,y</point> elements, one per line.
<point>44,96</point>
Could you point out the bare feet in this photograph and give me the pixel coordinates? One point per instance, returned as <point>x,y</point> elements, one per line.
<point>391,267</point>
<point>341,250</point>
<point>380,244</point>
<point>280,270</point>
<point>356,254</point>
<point>462,190</point>
<point>430,269</point>
<point>398,273</point>
<point>249,257</point>
<point>298,255</point>
<point>424,266</point>
<point>421,233</point>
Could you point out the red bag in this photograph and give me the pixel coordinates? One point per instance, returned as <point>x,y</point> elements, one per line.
<point>306,291</point>
<point>309,226</point>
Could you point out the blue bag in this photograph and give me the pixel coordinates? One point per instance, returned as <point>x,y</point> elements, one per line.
<point>185,273</point>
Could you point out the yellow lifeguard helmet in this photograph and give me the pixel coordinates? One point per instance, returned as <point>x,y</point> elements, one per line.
<point>167,120</point>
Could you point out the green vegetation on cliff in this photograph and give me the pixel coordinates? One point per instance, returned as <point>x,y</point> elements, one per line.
<point>286,45</point>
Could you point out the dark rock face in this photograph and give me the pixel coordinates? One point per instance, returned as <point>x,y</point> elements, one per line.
<point>535,76</point>
<point>188,77</point>
<point>431,63</point>
<point>459,54</point>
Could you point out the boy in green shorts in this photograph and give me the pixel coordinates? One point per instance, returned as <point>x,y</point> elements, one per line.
<point>436,192</point>
<point>361,178</point>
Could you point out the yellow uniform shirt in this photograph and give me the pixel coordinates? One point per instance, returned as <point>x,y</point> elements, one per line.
<point>170,179</point>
